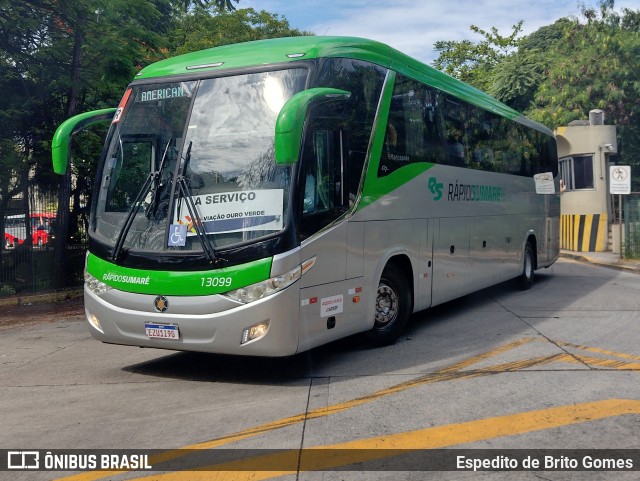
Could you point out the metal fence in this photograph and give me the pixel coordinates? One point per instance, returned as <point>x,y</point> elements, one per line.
<point>27,254</point>
<point>631,204</point>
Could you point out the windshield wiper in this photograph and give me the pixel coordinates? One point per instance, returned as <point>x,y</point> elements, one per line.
<point>132,213</point>
<point>152,178</point>
<point>157,184</point>
<point>185,192</point>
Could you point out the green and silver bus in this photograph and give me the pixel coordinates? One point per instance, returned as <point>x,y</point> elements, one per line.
<point>268,197</point>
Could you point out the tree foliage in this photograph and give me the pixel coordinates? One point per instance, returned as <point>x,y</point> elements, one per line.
<point>200,29</point>
<point>473,62</point>
<point>562,71</point>
<point>595,65</point>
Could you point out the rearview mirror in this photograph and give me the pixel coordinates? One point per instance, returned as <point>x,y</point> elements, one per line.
<point>290,121</point>
<point>66,130</point>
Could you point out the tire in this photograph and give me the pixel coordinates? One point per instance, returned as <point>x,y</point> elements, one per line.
<point>528,268</point>
<point>393,307</point>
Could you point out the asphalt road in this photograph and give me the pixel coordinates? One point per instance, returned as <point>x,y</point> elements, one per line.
<point>556,367</point>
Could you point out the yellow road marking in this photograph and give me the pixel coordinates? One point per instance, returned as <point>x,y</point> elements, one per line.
<point>450,373</point>
<point>597,350</point>
<point>608,363</point>
<point>446,374</point>
<point>343,454</point>
<point>486,355</point>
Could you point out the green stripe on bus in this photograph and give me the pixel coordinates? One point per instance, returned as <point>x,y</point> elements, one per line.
<point>183,283</point>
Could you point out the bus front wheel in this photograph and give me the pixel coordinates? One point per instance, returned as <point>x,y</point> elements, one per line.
<point>393,307</point>
<point>528,268</point>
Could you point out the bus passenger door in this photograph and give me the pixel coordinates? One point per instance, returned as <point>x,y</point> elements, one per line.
<point>450,259</point>
<point>329,182</point>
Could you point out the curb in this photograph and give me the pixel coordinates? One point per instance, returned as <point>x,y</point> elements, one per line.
<point>629,267</point>
<point>57,296</point>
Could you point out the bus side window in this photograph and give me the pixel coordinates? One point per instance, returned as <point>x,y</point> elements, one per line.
<point>456,133</point>
<point>415,127</point>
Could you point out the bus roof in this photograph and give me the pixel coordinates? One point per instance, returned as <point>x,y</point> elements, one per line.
<point>294,49</point>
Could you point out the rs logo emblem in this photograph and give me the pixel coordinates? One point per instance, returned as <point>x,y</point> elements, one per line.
<point>435,187</point>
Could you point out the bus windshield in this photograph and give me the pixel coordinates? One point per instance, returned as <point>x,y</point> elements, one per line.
<point>192,159</point>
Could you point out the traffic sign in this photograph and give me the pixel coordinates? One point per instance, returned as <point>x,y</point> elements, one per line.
<point>620,179</point>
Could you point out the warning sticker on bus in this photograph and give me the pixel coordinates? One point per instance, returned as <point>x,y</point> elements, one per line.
<point>241,211</point>
<point>330,306</point>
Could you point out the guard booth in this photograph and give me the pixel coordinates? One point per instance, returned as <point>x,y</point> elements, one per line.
<point>586,148</point>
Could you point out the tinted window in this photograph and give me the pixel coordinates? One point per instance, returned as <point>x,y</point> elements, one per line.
<point>427,125</point>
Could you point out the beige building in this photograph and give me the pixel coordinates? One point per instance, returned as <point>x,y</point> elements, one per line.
<point>585,150</point>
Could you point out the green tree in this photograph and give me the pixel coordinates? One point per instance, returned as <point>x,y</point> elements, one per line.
<point>219,4</point>
<point>21,102</point>
<point>202,29</point>
<point>473,62</point>
<point>562,71</point>
<point>60,58</point>
<point>595,64</point>
<point>515,80</point>
<point>12,179</point>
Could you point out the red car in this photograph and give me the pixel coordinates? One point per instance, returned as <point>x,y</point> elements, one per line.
<point>10,241</point>
<point>15,231</point>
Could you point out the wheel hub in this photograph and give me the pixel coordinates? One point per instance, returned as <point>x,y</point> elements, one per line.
<point>386,305</point>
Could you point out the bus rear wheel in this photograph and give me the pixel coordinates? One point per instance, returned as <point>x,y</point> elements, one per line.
<point>528,268</point>
<point>393,307</point>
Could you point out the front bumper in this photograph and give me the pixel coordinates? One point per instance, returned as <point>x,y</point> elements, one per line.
<point>206,323</point>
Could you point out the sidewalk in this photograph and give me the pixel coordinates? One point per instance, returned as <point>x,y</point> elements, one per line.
<point>608,259</point>
<point>37,298</point>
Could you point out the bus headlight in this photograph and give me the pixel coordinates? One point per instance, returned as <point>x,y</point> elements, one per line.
<point>267,288</point>
<point>95,285</point>
<point>255,332</point>
<point>93,320</point>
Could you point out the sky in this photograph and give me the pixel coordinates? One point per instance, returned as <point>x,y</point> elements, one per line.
<point>413,26</point>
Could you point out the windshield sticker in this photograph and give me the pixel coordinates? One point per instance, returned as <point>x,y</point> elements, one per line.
<point>177,235</point>
<point>244,211</point>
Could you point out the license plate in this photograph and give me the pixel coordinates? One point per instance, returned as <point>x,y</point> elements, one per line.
<point>162,331</point>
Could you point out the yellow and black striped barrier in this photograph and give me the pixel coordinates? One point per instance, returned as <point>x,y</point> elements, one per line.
<point>583,233</point>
